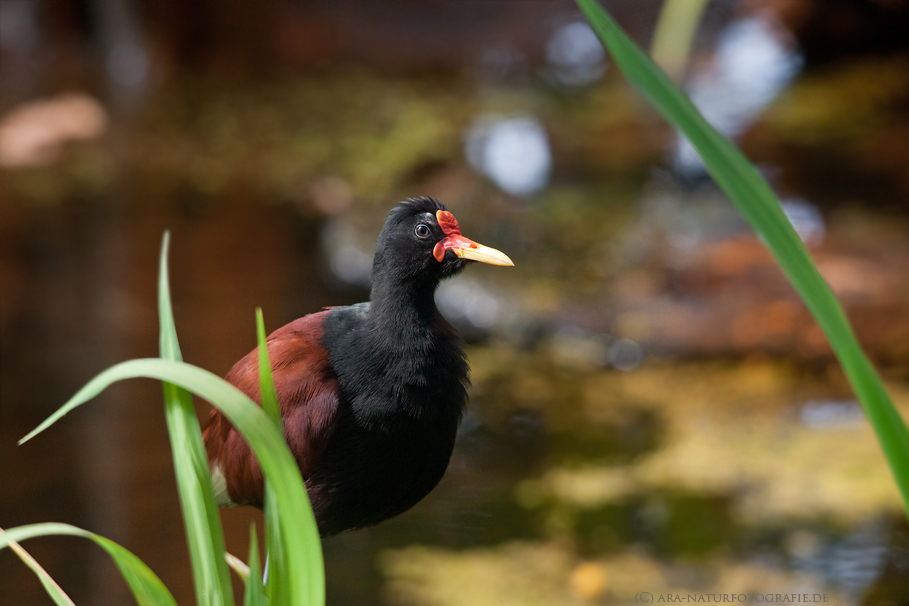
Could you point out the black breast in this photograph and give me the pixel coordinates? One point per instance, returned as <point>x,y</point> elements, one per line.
<point>400,404</point>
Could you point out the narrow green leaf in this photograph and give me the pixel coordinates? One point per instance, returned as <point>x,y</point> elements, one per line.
<point>266,381</point>
<point>758,204</point>
<point>146,587</point>
<point>277,554</point>
<point>170,348</point>
<point>306,580</point>
<point>50,585</point>
<point>200,512</point>
<point>255,592</point>
<point>675,31</point>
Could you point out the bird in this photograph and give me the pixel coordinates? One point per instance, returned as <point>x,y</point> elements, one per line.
<point>371,394</point>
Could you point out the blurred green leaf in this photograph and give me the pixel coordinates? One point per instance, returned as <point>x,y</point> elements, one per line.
<point>756,201</point>
<point>200,512</point>
<point>675,31</point>
<point>146,587</point>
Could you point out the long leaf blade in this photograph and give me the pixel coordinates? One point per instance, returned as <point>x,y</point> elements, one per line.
<point>277,554</point>
<point>204,534</point>
<point>54,590</point>
<point>267,383</point>
<point>756,201</point>
<point>147,588</point>
<point>306,580</point>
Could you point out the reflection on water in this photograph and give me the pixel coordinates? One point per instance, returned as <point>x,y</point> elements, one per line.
<point>685,478</point>
<point>575,55</point>
<point>625,354</point>
<point>127,61</point>
<point>754,61</point>
<point>850,563</point>
<point>576,347</point>
<point>127,64</point>
<point>19,25</point>
<point>832,414</point>
<point>513,151</point>
<point>342,246</point>
<point>806,219</point>
<point>466,300</point>
<point>34,133</point>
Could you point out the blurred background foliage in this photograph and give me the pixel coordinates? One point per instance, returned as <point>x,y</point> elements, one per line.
<point>653,408</point>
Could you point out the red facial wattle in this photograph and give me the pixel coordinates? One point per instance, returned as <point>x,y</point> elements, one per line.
<point>464,247</point>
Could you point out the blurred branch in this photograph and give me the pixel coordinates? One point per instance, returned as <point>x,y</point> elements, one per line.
<point>674,34</point>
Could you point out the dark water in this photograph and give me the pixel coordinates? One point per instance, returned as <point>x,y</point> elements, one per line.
<point>744,474</point>
<point>652,409</point>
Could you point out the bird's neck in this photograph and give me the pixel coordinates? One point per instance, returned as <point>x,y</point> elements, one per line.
<point>403,311</point>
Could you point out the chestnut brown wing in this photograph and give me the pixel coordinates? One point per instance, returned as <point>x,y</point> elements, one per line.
<point>307,389</point>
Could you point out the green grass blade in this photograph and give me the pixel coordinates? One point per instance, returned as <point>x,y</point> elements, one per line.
<point>255,592</point>
<point>306,580</point>
<point>200,512</point>
<point>756,201</point>
<point>266,381</point>
<point>278,568</point>
<point>674,34</point>
<point>55,592</point>
<point>277,554</point>
<point>147,588</point>
<point>170,348</point>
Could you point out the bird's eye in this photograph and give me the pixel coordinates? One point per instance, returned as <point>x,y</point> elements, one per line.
<point>422,231</point>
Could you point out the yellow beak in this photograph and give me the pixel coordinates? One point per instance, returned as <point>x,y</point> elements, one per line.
<point>483,254</point>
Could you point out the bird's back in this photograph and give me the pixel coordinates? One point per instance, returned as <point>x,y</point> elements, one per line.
<point>307,390</point>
